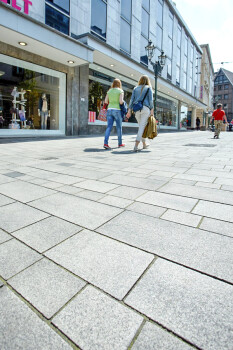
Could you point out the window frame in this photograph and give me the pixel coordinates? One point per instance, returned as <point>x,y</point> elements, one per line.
<point>64,13</point>
<point>142,34</point>
<point>58,7</point>
<point>130,24</point>
<point>95,33</point>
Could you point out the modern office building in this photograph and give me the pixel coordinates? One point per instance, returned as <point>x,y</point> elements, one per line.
<point>223,91</point>
<point>58,58</point>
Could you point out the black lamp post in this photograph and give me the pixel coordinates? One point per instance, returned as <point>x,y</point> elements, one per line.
<point>157,66</point>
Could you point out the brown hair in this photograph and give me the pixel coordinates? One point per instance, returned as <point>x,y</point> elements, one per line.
<point>116,84</point>
<point>219,105</point>
<point>144,80</point>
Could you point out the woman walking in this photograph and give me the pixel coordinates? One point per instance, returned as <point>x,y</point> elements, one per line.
<point>142,93</point>
<point>114,97</point>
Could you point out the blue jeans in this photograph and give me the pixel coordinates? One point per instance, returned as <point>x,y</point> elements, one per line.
<point>114,115</point>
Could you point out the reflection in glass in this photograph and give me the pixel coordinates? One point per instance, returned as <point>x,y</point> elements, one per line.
<point>167,111</point>
<point>126,9</point>
<point>143,53</point>
<point>56,20</point>
<point>146,4</point>
<point>145,23</point>
<point>159,13</point>
<point>99,17</point>
<point>159,37</point>
<point>63,4</point>
<point>125,36</point>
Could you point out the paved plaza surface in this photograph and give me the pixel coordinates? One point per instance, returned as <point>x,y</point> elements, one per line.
<point>111,249</point>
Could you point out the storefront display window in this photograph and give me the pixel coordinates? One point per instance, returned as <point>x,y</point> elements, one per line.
<point>167,111</point>
<point>31,97</point>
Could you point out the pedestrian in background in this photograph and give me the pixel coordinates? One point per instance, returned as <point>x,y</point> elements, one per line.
<point>218,116</point>
<point>114,97</point>
<point>198,122</point>
<point>142,93</point>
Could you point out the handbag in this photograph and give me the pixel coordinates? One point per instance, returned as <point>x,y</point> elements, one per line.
<point>139,105</point>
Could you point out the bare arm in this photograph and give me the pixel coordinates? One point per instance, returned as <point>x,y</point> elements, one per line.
<point>106,100</point>
<point>121,100</point>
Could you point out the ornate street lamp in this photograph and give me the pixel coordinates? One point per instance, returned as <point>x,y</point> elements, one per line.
<point>157,66</point>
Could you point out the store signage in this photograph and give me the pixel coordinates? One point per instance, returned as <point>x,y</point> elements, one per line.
<point>27,3</point>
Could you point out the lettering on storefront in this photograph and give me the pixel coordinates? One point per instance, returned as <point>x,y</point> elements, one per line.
<point>25,9</point>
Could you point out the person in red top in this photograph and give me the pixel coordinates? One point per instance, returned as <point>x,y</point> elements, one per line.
<point>218,116</point>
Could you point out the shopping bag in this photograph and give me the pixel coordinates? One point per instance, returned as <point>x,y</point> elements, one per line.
<point>103,115</point>
<point>92,117</point>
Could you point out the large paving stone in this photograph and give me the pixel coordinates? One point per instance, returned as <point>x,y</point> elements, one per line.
<point>21,328</point>
<point>5,179</point>
<point>181,217</point>
<point>46,286</point>
<point>116,201</point>
<point>153,337</point>
<point>24,192</point>
<point>98,186</point>
<point>127,192</point>
<point>194,306</point>
<point>4,236</point>
<point>198,249</point>
<point>108,264</point>
<point>77,210</point>
<point>208,194</point>
<point>147,209</point>
<point>168,201</point>
<point>222,227</point>
<point>214,210</point>
<point>46,233</point>
<point>14,257</point>
<point>5,200</point>
<point>92,195</point>
<point>15,216</point>
<point>146,184</point>
<point>95,321</point>
<point>190,177</point>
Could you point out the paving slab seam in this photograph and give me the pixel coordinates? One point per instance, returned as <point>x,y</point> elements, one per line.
<point>43,318</point>
<point>137,334</point>
<point>25,267</point>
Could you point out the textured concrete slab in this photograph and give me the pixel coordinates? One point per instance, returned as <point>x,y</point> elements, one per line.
<point>15,216</point>
<point>69,189</point>
<point>200,250</point>
<point>4,236</point>
<point>147,209</point>
<point>190,177</point>
<point>222,227</point>
<point>146,184</point>
<point>14,174</point>
<point>24,192</point>
<point>14,257</point>
<point>207,194</point>
<point>182,217</point>
<point>77,210</point>
<point>116,201</point>
<point>94,196</point>
<point>47,233</point>
<point>23,329</point>
<point>208,185</point>
<point>168,201</point>
<point>192,305</point>
<point>127,192</point>
<point>95,321</point>
<point>153,337</point>
<point>5,179</point>
<point>214,210</point>
<point>46,286</point>
<point>97,186</point>
<point>110,265</point>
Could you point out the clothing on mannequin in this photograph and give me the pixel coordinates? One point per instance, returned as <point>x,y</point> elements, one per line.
<point>44,111</point>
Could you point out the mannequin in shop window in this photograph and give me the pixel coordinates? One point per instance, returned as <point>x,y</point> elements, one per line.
<point>44,111</point>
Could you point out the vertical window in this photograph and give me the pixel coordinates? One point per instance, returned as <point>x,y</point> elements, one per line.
<point>57,19</point>
<point>159,37</point>
<point>145,26</point>
<point>159,30</point>
<point>185,64</point>
<point>99,17</point>
<point>160,12</point>
<point>177,75</point>
<point>170,24</point>
<point>170,45</point>
<point>126,20</point>
<point>61,4</point>
<point>169,69</point>
<point>179,36</point>
<point>191,78</point>
<point>185,81</point>
<point>178,55</point>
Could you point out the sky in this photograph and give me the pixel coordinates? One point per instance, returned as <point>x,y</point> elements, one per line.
<point>211,22</point>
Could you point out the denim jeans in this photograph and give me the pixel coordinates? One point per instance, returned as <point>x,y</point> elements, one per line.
<point>114,115</point>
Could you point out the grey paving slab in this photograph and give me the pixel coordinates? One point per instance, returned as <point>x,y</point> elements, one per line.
<point>92,195</point>
<point>208,185</point>
<point>5,200</point>
<point>168,201</point>
<point>14,174</point>
<point>194,306</point>
<point>227,188</point>
<point>213,225</point>
<point>69,189</point>
<point>198,249</point>
<point>46,286</point>
<point>77,210</point>
<point>23,329</point>
<point>116,201</point>
<point>208,194</point>
<point>95,321</point>
<point>146,184</point>
<point>24,192</point>
<point>203,178</point>
<point>52,185</point>
<point>1,284</point>
<point>214,210</point>
<point>47,233</point>
<point>127,192</point>
<point>153,337</point>
<point>14,257</point>
<point>147,209</point>
<point>110,265</point>
<point>4,236</point>
<point>6,179</point>
<point>15,216</point>
<point>98,186</point>
<point>182,181</point>
<point>182,217</point>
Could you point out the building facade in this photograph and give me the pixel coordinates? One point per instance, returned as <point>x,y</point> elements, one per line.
<point>223,91</point>
<point>206,86</point>
<point>59,58</point>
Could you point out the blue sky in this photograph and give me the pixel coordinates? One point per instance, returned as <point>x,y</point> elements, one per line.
<point>211,22</point>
